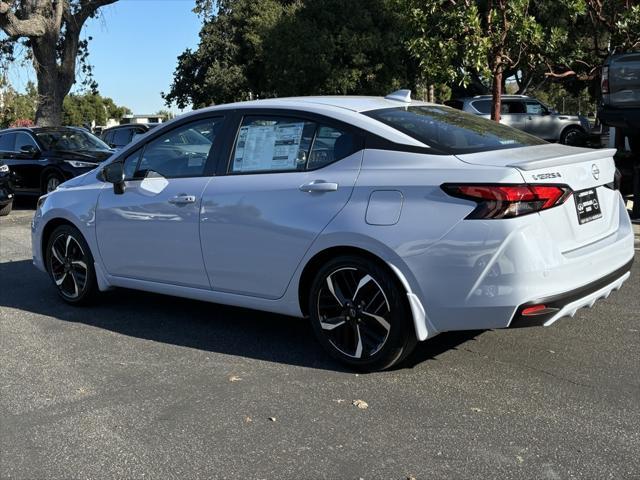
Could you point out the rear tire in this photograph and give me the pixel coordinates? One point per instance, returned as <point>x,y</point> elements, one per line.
<point>360,314</point>
<point>70,265</point>
<point>6,210</point>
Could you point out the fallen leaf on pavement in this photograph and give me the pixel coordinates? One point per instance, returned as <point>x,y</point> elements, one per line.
<point>361,404</point>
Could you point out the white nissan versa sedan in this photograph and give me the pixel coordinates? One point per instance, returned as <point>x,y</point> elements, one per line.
<point>384,220</point>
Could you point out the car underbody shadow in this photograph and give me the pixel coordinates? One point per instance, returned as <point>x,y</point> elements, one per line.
<point>190,323</point>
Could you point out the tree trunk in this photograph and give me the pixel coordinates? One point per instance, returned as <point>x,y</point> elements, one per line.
<point>432,94</point>
<point>496,92</point>
<point>55,72</point>
<point>50,97</point>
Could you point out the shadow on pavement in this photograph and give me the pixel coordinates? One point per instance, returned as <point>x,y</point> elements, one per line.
<point>25,202</point>
<point>200,325</point>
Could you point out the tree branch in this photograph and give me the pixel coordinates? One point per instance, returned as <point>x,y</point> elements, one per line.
<point>34,26</point>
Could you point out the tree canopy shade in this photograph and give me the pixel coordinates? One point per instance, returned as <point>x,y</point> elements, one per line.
<point>266,48</point>
<point>480,42</point>
<point>52,32</point>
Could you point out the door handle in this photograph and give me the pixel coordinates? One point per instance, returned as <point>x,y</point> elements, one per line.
<point>319,186</point>
<point>182,199</point>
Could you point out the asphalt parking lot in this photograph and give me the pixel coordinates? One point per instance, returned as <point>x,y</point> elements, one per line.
<point>146,386</point>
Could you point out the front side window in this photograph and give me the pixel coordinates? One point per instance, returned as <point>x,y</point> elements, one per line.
<point>24,139</point>
<point>7,141</point>
<point>278,144</point>
<point>181,152</point>
<point>535,108</point>
<point>451,131</point>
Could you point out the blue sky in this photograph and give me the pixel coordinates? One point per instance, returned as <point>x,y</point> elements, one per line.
<point>134,50</point>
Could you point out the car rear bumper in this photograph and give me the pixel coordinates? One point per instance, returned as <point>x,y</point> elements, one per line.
<point>626,118</point>
<point>566,304</point>
<point>482,275</point>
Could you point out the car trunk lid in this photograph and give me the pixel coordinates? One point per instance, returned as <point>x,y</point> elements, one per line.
<point>592,213</point>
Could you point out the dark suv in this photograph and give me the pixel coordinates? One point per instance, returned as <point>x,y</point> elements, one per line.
<point>118,137</point>
<point>41,158</point>
<point>6,190</point>
<point>620,86</point>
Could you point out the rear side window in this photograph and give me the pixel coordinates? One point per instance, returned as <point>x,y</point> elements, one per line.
<point>512,107</point>
<point>452,131</point>
<point>283,144</point>
<point>121,137</point>
<point>483,106</point>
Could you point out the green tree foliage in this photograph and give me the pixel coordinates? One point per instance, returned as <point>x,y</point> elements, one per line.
<point>81,109</point>
<point>265,48</point>
<point>50,30</point>
<point>468,40</point>
<point>18,106</point>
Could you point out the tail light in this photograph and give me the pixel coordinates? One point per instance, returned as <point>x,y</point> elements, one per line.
<point>508,201</point>
<point>604,83</point>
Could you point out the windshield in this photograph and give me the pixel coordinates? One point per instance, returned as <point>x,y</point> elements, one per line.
<point>73,140</point>
<point>452,131</point>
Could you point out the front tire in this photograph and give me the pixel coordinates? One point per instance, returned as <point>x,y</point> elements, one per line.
<point>573,136</point>
<point>70,265</point>
<point>51,181</point>
<point>360,315</point>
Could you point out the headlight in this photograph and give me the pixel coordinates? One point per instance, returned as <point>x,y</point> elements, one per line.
<point>79,164</point>
<point>4,168</point>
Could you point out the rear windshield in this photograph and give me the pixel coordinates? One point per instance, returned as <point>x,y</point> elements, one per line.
<point>452,131</point>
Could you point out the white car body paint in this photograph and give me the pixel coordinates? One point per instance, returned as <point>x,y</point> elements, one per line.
<point>458,273</point>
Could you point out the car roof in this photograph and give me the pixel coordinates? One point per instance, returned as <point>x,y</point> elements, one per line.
<point>40,129</point>
<point>343,102</point>
<point>129,125</point>
<point>347,109</point>
<point>489,97</point>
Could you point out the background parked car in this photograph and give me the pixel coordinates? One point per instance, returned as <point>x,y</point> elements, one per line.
<point>6,190</point>
<point>118,137</point>
<point>41,158</point>
<point>531,116</point>
<point>620,88</point>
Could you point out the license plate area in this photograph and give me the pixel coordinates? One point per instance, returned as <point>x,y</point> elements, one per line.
<point>587,205</point>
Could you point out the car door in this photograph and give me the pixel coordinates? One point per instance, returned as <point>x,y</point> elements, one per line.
<point>538,120</point>
<point>287,177</point>
<point>27,166</point>
<point>151,231</point>
<point>513,114</point>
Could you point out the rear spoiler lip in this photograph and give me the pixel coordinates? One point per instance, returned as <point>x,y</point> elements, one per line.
<point>556,161</point>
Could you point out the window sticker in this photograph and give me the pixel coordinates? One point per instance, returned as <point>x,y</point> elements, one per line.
<point>268,147</point>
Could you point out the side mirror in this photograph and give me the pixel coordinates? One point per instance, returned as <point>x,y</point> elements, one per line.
<point>30,150</point>
<point>114,173</point>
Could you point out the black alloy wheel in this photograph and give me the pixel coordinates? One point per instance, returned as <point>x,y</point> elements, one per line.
<point>70,264</point>
<point>360,314</point>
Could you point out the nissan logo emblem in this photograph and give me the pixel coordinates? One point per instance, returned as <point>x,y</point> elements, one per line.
<point>595,171</point>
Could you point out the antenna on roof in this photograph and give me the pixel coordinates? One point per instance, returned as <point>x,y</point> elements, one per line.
<point>400,96</point>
